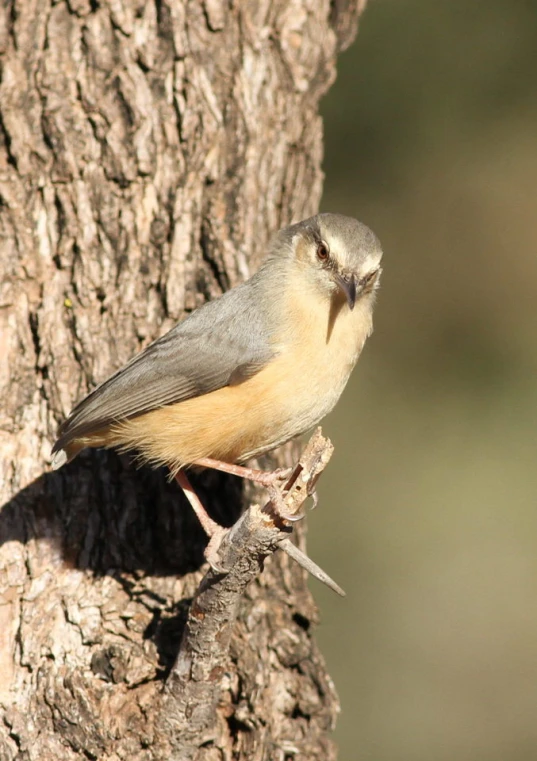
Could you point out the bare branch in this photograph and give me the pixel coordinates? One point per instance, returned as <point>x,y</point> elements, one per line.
<point>194,685</point>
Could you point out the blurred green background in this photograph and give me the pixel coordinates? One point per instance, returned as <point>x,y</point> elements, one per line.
<point>428,512</point>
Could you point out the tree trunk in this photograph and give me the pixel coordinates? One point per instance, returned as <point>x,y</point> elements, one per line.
<point>147,153</point>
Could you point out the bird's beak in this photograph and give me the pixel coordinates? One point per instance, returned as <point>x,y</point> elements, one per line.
<point>347,283</point>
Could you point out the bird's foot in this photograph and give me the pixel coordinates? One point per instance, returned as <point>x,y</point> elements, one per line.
<point>211,552</point>
<point>277,496</point>
<point>278,507</point>
<point>274,481</point>
<point>272,478</point>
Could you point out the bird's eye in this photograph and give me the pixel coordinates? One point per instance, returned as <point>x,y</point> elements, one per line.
<point>323,252</point>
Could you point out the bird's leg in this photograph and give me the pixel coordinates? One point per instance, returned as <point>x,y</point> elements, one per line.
<point>261,477</point>
<point>214,531</point>
<point>270,480</point>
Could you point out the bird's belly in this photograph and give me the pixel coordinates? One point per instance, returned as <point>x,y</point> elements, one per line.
<point>290,400</point>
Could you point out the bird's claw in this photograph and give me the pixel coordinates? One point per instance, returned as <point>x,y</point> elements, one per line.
<point>291,518</point>
<point>211,552</point>
<point>278,508</point>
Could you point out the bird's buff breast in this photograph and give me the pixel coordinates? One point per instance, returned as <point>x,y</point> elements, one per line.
<point>286,398</point>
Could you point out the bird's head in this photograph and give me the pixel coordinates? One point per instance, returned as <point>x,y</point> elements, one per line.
<point>338,255</point>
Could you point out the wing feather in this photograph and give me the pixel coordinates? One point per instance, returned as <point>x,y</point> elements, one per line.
<point>224,342</point>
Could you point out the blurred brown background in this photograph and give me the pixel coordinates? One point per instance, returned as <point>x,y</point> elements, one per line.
<point>428,512</point>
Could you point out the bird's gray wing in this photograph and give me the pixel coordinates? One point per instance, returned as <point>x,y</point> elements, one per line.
<point>222,343</point>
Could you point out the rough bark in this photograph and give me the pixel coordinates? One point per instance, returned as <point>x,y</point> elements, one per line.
<point>147,152</point>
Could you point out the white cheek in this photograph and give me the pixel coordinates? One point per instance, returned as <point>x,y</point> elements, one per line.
<point>371,263</point>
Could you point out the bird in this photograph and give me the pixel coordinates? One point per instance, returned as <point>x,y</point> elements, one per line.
<point>248,371</point>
